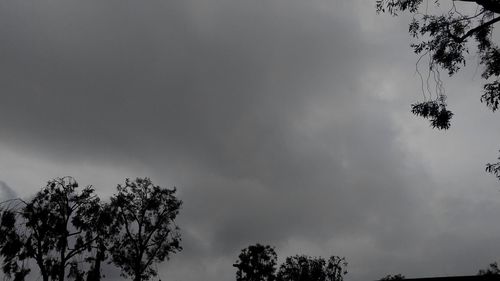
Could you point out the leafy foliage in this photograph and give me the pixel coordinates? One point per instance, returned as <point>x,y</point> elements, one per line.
<point>50,229</point>
<point>494,168</point>
<point>492,270</point>
<point>256,263</point>
<point>305,268</point>
<point>69,234</point>
<point>144,226</point>
<point>100,218</point>
<point>435,111</point>
<point>393,277</point>
<point>446,38</point>
<point>11,245</point>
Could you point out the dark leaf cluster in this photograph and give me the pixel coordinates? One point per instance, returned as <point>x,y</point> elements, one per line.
<point>492,270</point>
<point>446,38</point>
<point>494,168</point>
<point>145,215</point>
<point>435,111</point>
<point>443,40</point>
<point>392,277</point>
<point>258,263</point>
<point>305,268</point>
<point>393,6</point>
<point>70,233</point>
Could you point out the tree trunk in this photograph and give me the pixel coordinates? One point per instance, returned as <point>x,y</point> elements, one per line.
<point>95,272</point>
<point>61,273</point>
<point>62,262</point>
<point>137,269</point>
<point>43,270</point>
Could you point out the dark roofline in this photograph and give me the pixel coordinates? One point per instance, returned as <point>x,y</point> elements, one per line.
<point>457,278</point>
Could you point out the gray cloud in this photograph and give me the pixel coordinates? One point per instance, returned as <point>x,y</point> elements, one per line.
<point>281,122</point>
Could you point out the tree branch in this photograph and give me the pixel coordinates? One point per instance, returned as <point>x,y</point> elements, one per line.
<point>74,233</point>
<point>477,28</point>
<point>490,5</point>
<point>129,234</point>
<point>78,250</point>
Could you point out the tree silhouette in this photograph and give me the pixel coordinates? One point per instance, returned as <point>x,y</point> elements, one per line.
<point>100,219</point>
<point>492,270</point>
<point>256,263</point>
<point>11,244</point>
<point>69,233</point>
<point>392,277</point>
<point>144,226</point>
<point>305,268</point>
<point>52,229</point>
<point>446,38</point>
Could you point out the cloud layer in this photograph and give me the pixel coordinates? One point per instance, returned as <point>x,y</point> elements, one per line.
<point>280,122</point>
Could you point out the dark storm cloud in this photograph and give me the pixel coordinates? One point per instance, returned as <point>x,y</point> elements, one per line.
<point>275,119</point>
<point>155,75</point>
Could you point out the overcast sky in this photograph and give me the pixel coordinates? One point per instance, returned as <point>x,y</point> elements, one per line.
<point>284,122</point>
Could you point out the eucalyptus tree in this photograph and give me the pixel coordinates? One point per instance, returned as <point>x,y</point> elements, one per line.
<point>306,268</point>
<point>446,37</point>
<point>492,270</point>
<point>445,33</point>
<point>53,229</point>
<point>144,217</point>
<point>256,263</point>
<point>394,277</point>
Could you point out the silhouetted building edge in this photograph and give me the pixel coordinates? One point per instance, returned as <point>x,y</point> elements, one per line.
<point>458,278</point>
